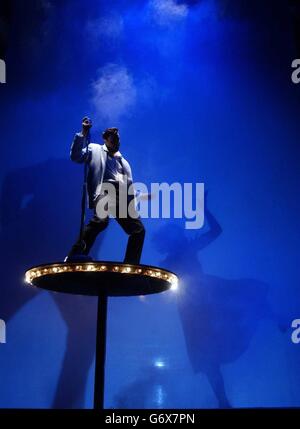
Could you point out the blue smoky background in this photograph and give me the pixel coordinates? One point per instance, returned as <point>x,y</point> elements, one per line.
<point>201,92</point>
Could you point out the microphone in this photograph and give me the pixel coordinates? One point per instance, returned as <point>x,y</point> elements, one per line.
<point>87,122</point>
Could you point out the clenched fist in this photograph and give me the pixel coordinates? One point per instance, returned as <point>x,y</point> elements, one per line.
<point>86,125</point>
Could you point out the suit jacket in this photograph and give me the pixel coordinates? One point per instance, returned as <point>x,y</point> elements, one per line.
<point>96,158</point>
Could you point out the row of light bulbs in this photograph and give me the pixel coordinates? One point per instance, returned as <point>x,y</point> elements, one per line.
<point>30,275</point>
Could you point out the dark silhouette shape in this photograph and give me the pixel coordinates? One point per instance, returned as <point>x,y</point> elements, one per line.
<point>40,211</point>
<point>148,390</point>
<point>219,316</point>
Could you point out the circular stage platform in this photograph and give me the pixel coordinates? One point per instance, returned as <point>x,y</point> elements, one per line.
<point>101,278</point>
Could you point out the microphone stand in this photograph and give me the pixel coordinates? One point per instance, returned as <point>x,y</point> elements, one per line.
<point>84,189</point>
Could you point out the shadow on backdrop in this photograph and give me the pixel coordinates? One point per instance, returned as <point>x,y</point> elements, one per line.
<point>148,390</point>
<point>219,316</point>
<point>40,213</point>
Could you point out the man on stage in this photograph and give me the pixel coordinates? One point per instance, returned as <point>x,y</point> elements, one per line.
<point>106,168</point>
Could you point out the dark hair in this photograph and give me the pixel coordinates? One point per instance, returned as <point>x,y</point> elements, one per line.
<point>113,133</point>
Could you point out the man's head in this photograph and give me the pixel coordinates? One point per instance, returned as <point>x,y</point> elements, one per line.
<point>111,138</point>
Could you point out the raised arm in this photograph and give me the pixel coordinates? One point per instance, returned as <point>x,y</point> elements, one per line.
<point>215,230</point>
<point>79,149</point>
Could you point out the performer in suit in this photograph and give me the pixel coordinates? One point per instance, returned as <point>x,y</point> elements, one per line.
<point>106,166</point>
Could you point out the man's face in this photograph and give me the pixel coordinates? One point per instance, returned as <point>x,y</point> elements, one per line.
<point>111,144</point>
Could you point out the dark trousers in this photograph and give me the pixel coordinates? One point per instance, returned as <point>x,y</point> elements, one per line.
<point>132,226</point>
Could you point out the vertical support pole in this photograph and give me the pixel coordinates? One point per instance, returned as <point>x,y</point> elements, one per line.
<point>100,353</point>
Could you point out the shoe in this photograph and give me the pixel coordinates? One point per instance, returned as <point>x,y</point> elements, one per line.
<point>78,258</point>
